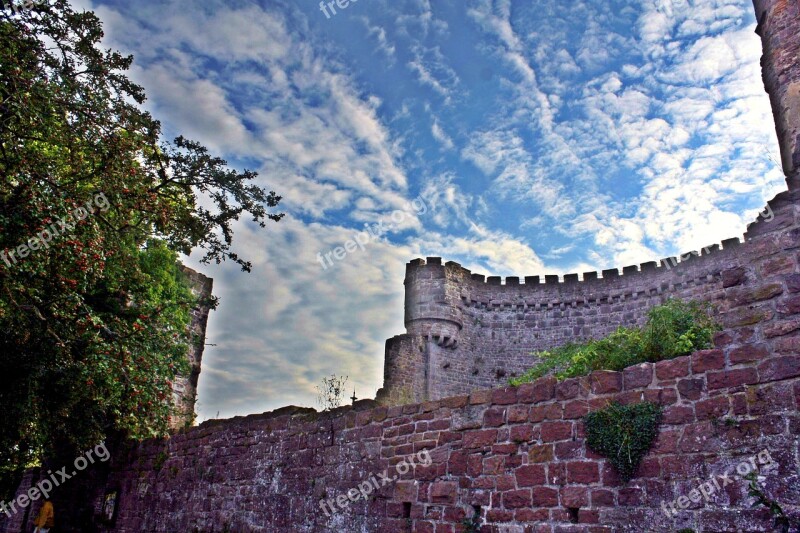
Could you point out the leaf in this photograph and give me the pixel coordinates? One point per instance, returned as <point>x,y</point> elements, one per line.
<point>623,434</point>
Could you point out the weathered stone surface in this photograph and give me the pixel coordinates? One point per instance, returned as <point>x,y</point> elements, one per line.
<point>480,438</point>
<point>793,283</point>
<point>733,276</point>
<point>707,360</point>
<point>445,492</point>
<point>748,353</point>
<point>555,431</point>
<point>732,378</point>
<point>780,368</point>
<point>531,475</point>
<point>519,454</point>
<point>748,295</point>
<point>673,368</point>
<point>604,382</point>
<point>789,306</point>
<point>583,472</point>
<point>638,376</point>
<point>712,408</point>
<point>780,328</point>
<point>691,389</point>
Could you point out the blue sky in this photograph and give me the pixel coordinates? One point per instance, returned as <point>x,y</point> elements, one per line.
<point>533,137</point>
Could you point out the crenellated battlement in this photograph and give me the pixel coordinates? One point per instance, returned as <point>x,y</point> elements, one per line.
<point>548,291</point>
<point>471,331</point>
<point>652,268</point>
<point>778,214</point>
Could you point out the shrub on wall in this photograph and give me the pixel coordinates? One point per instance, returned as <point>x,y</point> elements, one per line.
<point>623,434</point>
<point>330,394</point>
<point>673,329</point>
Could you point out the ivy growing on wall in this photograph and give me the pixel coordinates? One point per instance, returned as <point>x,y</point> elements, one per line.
<point>781,522</point>
<point>623,434</point>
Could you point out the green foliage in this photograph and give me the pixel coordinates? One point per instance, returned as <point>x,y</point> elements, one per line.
<point>780,520</point>
<point>673,329</point>
<point>93,327</point>
<point>677,328</point>
<point>471,525</point>
<point>623,434</point>
<point>158,462</point>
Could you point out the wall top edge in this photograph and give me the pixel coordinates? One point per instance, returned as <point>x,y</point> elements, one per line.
<point>650,267</point>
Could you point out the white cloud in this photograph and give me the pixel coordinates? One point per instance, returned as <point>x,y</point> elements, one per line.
<point>440,135</point>
<point>485,251</point>
<point>341,146</point>
<point>431,69</point>
<point>449,206</point>
<point>379,33</point>
<point>606,139</point>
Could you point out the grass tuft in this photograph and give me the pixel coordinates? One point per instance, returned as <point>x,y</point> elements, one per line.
<point>673,329</point>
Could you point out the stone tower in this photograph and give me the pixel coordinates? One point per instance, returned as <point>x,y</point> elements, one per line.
<point>466,332</point>
<point>184,390</point>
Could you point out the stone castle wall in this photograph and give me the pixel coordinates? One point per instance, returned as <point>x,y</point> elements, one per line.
<point>516,458</point>
<point>184,389</point>
<point>465,331</point>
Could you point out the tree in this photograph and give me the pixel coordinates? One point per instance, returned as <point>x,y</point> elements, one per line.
<point>331,392</point>
<point>94,208</point>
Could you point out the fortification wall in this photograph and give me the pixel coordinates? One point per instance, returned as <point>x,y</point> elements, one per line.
<point>777,26</point>
<point>477,332</point>
<point>516,456</point>
<point>184,389</point>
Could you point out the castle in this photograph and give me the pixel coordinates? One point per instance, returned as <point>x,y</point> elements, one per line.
<point>467,332</point>
<point>514,459</point>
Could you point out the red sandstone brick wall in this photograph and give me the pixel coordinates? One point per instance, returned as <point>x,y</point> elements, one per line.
<point>516,455</point>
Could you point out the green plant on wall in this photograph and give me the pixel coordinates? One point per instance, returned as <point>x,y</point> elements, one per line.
<point>159,460</point>
<point>623,434</point>
<point>781,521</point>
<point>472,524</point>
<point>673,329</point>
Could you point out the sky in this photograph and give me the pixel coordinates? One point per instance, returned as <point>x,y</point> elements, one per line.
<point>514,137</point>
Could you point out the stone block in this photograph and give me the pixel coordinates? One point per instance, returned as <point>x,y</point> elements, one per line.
<point>673,368</point>
<point>605,382</point>
<point>638,376</point>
